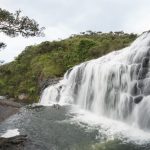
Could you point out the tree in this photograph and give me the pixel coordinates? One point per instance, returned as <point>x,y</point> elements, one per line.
<point>2,45</point>
<point>12,24</point>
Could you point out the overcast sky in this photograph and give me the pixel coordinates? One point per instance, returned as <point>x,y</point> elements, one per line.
<point>65,17</point>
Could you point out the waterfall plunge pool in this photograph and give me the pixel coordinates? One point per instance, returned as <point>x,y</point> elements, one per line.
<point>71,128</point>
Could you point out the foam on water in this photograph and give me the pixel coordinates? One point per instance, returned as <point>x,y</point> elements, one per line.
<point>10,133</point>
<point>111,128</point>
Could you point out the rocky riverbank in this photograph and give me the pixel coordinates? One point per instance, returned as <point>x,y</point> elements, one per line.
<point>13,143</point>
<point>8,108</point>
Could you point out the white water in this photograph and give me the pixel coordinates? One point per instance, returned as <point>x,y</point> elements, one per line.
<point>110,128</point>
<point>10,133</point>
<point>115,86</point>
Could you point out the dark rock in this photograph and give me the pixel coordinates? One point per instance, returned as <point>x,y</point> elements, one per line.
<point>145,62</point>
<point>35,107</point>
<point>13,143</point>
<point>138,99</point>
<point>148,52</point>
<point>144,86</point>
<point>134,89</point>
<point>45,83</point>
<point>57,106</point>
<point>142,73</point>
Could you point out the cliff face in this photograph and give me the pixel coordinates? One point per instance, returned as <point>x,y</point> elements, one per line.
<point>39,65</point>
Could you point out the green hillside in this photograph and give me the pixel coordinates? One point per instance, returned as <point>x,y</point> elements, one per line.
<point>51,59</point>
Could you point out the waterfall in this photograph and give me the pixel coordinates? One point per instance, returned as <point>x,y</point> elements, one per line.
<point>116,85</point>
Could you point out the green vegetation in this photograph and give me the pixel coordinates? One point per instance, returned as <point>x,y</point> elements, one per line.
<point>14,25</point>
<point>51,59</point>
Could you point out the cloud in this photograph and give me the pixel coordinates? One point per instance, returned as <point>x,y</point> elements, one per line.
<point>65,17</point>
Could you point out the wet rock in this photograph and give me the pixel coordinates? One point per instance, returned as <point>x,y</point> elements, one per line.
<point>57,106</point>
<point>144,86</point>
<point>10,103</point>
<point>138,99</point>
<point>68,72</point>
<point>36,107</point>
<point>134,89</point>
<point>142,73</point>
<point>23,97</point>
<point>13,143</point>
<point>45,83</point>
<point>3,97</point>
<point>145,62</point>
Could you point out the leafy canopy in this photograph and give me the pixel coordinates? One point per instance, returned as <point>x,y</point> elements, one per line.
<point>12,24</point>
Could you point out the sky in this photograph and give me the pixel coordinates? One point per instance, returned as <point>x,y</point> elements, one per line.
<point>62,18</point>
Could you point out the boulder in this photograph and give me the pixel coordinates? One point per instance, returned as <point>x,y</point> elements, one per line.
<point>142,73</point>
<point>13,143</point>
<point>23,96</point>
<point>3,97</point>
<point>134,89</point>
<point>57,106</point>
<point>45,83</point>
<point>138,99</point>
<point>145,62</point>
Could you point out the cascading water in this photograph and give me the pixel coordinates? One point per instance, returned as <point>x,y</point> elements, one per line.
<point>116,85</point>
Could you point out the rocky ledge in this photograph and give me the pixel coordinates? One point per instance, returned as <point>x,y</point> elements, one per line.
<point>8,108</point>
<point>50,81</point>
<point>13,143</point>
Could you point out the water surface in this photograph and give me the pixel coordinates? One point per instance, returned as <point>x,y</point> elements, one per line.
<point>48,128</point>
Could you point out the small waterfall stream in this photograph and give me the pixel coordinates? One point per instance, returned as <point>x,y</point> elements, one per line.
<point>116,85</point>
